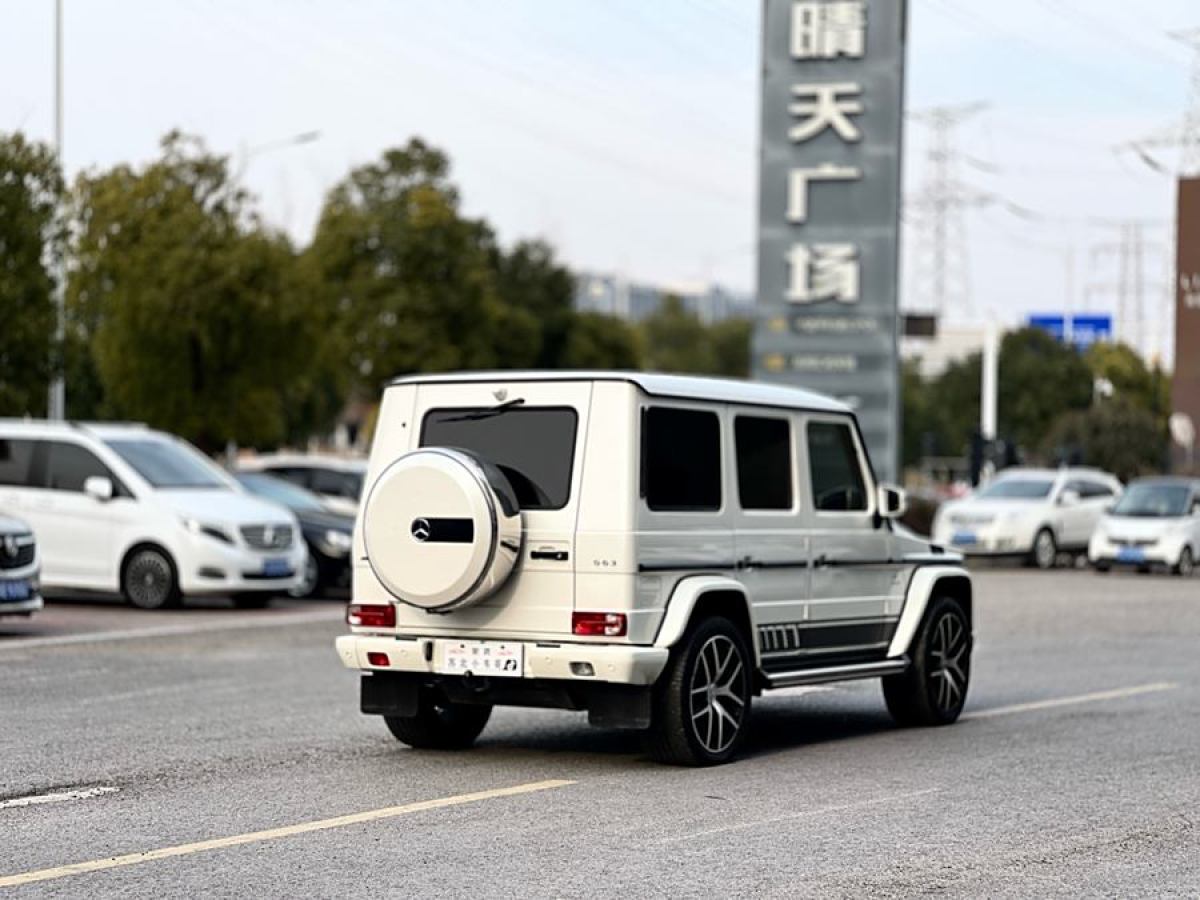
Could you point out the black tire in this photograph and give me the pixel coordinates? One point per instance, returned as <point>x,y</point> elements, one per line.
<point>1186,565</point>
<point>311,586</point>
<point>701,703</point>
<point>1044,553</point>
<point>1103,568</point>
<point>932,692</point>
<point>149,580</point>
<point>252,600</point>
<point>440,724</point>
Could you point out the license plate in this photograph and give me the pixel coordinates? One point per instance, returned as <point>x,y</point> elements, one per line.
<point>964,537</point>
<point>497,659</point>
<point>1131,555</point>
<point>276,567</point>
<point>14,590</point>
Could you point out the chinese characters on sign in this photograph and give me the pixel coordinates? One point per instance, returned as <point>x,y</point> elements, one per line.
<point>829,205</point>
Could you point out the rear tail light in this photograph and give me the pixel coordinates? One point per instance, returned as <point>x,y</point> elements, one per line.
<point>598,624</point>
<point>375,658</point>
<point>371,615</point>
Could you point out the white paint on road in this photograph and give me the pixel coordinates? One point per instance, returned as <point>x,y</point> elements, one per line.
<point>280,619</point>
<point>806,814</point>
<point>271,834</point>
<point>1098,696</point>
<point>58,797</point>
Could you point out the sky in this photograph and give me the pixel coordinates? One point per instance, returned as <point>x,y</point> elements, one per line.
<point>625,132</point>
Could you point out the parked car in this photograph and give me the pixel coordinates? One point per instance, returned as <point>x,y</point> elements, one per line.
<point>327,534</point>
<point>337,480</point>
<point>19,594</point>
<point>654,549</point>
<point>1031,513</point>
<point>1155,524</point>
<point>124,508</point>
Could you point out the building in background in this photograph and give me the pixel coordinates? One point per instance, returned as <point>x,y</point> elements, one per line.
<point>613,295</point>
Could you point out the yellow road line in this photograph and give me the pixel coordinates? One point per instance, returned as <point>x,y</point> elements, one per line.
<point>271,834</point>
<point>1115,694</point>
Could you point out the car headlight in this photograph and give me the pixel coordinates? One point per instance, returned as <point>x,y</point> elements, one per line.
<point>337,543</point>
<point>195,526</point>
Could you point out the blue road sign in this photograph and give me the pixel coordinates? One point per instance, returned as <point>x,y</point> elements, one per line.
<point>1055,326</point>
<point>1082,330</point>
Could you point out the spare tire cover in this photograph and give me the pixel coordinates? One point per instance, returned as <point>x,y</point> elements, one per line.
<point>442,529</point>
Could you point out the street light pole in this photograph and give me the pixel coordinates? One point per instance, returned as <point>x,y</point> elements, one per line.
<point>56,404</point>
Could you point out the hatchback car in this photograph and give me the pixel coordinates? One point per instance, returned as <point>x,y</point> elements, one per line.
<point>18,569</point>
<point>1034,514</point>
<point>1155,524</point>
<point>125,508</point>
<point>654,549</point>
<point>337,480</point>
<point>327,534</point>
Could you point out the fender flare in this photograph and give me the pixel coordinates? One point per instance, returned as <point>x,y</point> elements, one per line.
<point>920,590</point>
<point>686,594</point>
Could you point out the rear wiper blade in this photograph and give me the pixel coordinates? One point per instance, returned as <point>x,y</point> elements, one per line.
<point>487,413</point>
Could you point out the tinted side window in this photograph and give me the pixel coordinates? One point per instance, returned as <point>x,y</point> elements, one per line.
<point>764,462</point>
<point>837,481</point>
<point>16,462</point>
<point>1095,489</point>
<point>681,459</point>
<point>68,466</point>
<point>338,484</point>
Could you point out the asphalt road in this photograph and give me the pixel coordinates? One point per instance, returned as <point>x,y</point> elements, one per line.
<point>225,757</point>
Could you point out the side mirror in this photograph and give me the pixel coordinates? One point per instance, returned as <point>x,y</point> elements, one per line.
<point>99,488</point>
<point>891,501</point>
<point>1068,498</point>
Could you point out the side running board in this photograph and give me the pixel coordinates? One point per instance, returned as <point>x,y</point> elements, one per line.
<point>836,673</point>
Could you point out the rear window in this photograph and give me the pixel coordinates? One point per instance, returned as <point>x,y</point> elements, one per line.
<point>533,446</point>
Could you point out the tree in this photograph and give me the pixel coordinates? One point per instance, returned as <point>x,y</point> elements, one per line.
<point>1039,380</point>
<point>1116,436</point>
<point>531,282</point>
<point>410,282</point>
<point>731,347</point>
<point>1132,381</point>
<point>596,341</point>
<point>194,312</point>
<point>31,195</point>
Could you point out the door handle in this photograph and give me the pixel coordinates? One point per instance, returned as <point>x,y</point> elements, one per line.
<point>821,561</point>
<point>747,562</point>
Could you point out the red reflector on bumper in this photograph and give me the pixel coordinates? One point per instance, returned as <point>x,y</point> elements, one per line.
<point>371,615</point>
<point>598,624</point>
<point>378,659</point>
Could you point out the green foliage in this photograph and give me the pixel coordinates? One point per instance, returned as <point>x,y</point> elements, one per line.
<point>1116,436</point>
<point>596,341</point>
<point>193,312</point>
<point>677,341</point>
<point>1040,380</point>
<point>31,194</point>
<point>731,347</point>
<point>1132,381</point>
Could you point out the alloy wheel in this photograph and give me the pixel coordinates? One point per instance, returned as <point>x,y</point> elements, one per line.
<point>717,689</point>
<point>1044,550</point>
<point>947,662</point>
<point>148,581</point>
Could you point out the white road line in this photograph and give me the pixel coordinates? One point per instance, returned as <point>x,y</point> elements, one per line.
<point>271,834</point>
<point>267,620</point>
<point>57,797</point>
<point>808,813</point>
<point>1115,694</point>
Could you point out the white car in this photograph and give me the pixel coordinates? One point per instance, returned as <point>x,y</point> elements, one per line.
<point>18,569</point>
<point>1030,513</point>
<point>124,508</point>
<point>655,549</point>
<point>337,480</point>
<point>1156,523</point>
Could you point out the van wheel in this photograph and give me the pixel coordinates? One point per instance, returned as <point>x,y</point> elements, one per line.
<point>1045,550</point>
<point>702,699</point>
<point>440,724</point>
<point>148,580</point>
<point>934,689</point>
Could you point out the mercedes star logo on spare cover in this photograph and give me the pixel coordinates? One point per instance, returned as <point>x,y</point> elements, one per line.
<point>420,529</point>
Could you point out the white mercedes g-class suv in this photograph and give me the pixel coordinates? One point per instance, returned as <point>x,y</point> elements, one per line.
<point>654,549</point>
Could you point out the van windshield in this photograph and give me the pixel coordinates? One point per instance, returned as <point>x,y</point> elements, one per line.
<point>533,446</point>
<point>167,465</point>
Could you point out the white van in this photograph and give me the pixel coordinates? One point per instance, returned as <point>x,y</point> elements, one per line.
<point>654,549</point>
<point>124,508</point>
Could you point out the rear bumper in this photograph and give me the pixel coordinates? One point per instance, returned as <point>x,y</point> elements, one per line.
<point>611,663</point>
